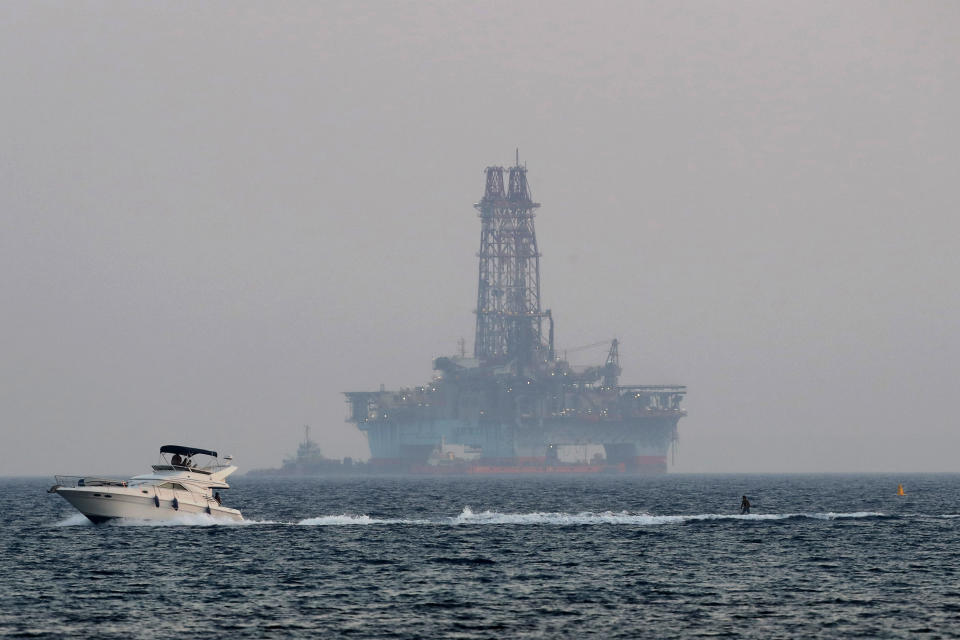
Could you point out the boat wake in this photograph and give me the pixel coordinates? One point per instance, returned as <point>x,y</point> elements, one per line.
<point>468,517</point>
<point>76,520</point>
<point>346,519</point>
<point>624,517</point>
<point>187,520</point>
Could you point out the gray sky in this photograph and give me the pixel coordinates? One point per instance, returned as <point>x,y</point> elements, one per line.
<point>215,217</point>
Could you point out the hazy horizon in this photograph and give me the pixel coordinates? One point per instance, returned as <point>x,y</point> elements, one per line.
<point>219,216</point>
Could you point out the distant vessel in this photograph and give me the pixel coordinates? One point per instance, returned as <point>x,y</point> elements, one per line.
<point>177,486</point>
<point>515,406</point>
<point>310,461</point>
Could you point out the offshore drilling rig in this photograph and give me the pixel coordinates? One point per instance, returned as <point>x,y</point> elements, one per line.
<point>514,406</point>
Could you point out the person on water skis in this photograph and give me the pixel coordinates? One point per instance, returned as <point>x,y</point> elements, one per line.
<point>744,505</point>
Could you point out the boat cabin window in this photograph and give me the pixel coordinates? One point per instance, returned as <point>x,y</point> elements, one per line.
<point>173,485</point>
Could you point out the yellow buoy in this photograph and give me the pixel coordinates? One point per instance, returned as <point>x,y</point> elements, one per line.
<point>900,491</point>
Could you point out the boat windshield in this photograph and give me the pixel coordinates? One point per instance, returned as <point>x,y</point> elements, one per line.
<point>189,460</point>
<point>172,485</point>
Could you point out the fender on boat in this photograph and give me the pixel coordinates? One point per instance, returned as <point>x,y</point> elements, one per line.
<point>175,504</point>
<point>156,501</point>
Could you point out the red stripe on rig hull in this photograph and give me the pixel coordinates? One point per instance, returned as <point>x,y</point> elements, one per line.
<point>519,466</point>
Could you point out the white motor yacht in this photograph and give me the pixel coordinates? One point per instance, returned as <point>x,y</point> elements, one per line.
<point>178,485</point>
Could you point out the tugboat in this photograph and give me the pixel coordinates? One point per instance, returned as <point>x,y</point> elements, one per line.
<point>310,461</point>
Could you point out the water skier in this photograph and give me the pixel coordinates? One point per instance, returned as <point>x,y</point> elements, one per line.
<point>744,506</point>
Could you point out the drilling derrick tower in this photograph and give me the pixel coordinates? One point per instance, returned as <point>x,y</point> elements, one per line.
<point>514,407</point>
<point>509,318</point>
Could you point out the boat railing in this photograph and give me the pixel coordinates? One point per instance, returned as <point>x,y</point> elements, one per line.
<point>88,481</point>
<point>177,467</point>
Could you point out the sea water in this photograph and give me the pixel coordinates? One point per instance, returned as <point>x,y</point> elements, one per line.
<point>567,557</point>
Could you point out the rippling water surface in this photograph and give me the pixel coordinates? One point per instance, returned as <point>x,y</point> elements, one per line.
<point>833,556</point>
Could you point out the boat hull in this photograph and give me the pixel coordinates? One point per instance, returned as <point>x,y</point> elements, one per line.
<point>101,504</point>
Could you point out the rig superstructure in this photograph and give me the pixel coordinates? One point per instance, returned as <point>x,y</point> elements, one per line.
<point>515,407</point>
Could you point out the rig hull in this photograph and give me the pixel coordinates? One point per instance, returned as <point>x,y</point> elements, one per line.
<point>606,443</point>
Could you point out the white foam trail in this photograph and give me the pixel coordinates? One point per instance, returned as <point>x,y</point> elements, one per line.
<point>362,519</point>
<point>342,519</point>
<point>469,517</point>
<point>187,520</point>
<point>838,516</point>
<point>76,520</point>
<point>623,517</point>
